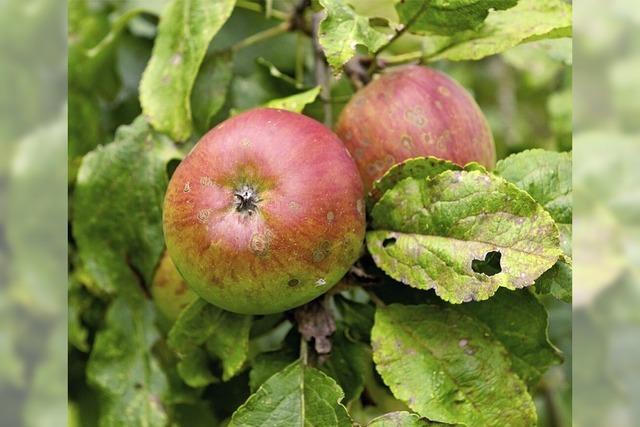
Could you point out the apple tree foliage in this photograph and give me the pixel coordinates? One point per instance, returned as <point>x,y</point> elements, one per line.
<point>443,321</point>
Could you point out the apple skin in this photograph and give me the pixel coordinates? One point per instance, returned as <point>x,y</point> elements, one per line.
<point>265,213</point>
<point>169,291</point>
<point>413,111</point>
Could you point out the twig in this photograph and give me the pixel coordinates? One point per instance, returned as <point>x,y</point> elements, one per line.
<point>403,29</point>
<point>375,298</point>
<point>261,36</point>
<point>375,64</point>
<point>405,57</point>
<point>255,7</point>
<point>298,23</point>
<point>304,351</point>
<point>357,69</point>
<point>322,72</point>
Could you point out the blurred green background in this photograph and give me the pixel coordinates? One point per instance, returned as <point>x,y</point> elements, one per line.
<point>606,289</point>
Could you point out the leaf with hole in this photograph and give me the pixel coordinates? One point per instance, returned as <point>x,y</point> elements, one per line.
<point>342,30</point>
<point>427,233</point>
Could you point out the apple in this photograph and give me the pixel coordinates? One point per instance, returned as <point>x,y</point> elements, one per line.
<point>413,111</point>
<point>265,213</point>
<point>169,291</point>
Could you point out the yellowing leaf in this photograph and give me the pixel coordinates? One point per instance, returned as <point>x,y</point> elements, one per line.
<point>437,232</point>
<point>448,367</point>
<point>342,30</point>
<point>297,102</point>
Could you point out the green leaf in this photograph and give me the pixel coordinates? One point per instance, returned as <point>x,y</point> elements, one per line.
<point>230,343</point>
<point>85,131</point>
<point>266,365</point>
<point>297,102</point>
<point>545,175</point>
<point>122,367</point>
<point>78,302</point>
<point>503,29</point>
<point>357,318</point>
<point>447,367</point>
<point>447,16</point>
<point>557,282</point>
<point>431,233</point>
<point>108,42</point>
<point>117,208</point>
<point>520,322</point>
<point>95,73</point>
<point>403,419</point>
<point>193,368</point>
<point>298,395</point>
<point>417,167</point>
<point>347,364</point>
<point>226,335</point>
<point>210,89</point>
<point>184,33</point>
<point>342,30</point>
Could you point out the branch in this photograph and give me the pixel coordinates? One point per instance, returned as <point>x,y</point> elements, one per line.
<point>261,36</point>
<point>403,29</point>
<point>255,7</point>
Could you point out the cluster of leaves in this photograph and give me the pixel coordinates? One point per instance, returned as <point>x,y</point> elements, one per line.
<point>460,259</point>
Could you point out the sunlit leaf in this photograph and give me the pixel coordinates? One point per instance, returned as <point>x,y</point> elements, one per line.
<point>297,395</point>
<point>184,33</point>
<point>448,367</point>
<point>438,232</point>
